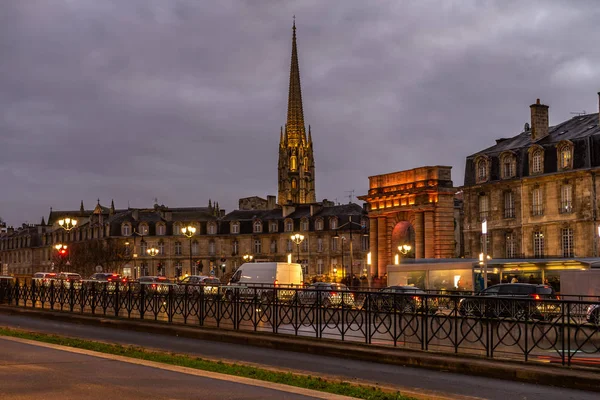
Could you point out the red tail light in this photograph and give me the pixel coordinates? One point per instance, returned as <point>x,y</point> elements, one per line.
<point>153,286</point>
<point>276,282</point>
<point>333,293</point>
<point>535,296</point>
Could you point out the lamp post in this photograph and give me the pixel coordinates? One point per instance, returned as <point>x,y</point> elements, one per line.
<point>298,238</point>
<point>336,236</point>
<point>152,252</point>
<point>484,255</point>
<point>247,257</point>
<point>189,231</point>
<point>67,224</point>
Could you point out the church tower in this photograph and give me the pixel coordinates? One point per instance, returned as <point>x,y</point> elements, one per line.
<point>296,181</point>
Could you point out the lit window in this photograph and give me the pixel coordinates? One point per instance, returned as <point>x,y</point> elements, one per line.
<point>565,157</point>
<point>538,244</point>
<point>510,245</point>
<point>566,199</point>
<point>144,229</point>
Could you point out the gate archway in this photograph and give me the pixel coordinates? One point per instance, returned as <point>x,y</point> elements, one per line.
<point>422,198</point>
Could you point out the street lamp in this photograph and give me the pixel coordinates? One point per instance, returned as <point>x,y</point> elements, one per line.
<point>298,238</point>
<point>152,252</point>
<point>404,249</point>
<point>189,231</point>
<point>483,256</point>
<point>247,257</point>
<point>336,236</point>
<point>67,224</point>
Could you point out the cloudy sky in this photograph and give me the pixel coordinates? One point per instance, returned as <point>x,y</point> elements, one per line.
<point>182,100</point>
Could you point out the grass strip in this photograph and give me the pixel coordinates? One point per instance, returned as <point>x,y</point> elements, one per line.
<point>287,378</point>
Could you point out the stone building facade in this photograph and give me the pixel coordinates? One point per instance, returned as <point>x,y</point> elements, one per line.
<point>537,191</point>
<point>219,245</point>
<point>414,207</point>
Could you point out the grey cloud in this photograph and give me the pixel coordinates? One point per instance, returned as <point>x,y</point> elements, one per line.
<point>183,100</point>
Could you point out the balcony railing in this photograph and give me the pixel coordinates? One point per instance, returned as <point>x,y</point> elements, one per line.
<point>537,210</point>
<point>509,212</point>
<point>566,207</point>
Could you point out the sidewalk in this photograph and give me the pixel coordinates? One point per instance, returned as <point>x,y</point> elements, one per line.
<point>567,377</point>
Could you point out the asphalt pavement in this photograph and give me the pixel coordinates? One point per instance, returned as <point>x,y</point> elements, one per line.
<point>30,371</point>
<point>389,375</point>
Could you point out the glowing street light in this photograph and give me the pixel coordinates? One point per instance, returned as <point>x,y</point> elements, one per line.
<point>152,252</point>
<point>247,257</point>
<point>189,231</point>
<point>67,224</point>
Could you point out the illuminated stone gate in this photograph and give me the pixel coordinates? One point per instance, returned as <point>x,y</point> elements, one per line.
<point>413,207</point>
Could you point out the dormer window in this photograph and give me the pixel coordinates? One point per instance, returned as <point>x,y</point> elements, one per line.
<point>508,165</point>
<point>319,224</point>
<point>235,227</point>
<point>333,223</point>
<point>565,155</point>
<point>212,228</point>
<point>257,226</point>
<point>481,166</point>
<point>143,229</point>
<point>273,226</point>
<point>125,230</point>
<point>304,225</point>
<point>289,225</point>
<point>536,160</point>
<point>161,229</point>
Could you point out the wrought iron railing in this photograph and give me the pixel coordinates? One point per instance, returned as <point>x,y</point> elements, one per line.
<point>565,331</point>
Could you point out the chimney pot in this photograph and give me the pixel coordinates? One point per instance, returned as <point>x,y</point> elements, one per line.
<point>539,121</point>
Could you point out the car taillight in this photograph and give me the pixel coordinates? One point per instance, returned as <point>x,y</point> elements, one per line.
<point>535,296</point>
<point>109,280</point>
<point>276,282</point>
<point>153,285</point>
<point>333,293</point>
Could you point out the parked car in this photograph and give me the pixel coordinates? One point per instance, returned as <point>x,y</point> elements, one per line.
<point>199,283</point>
<point>327,294</point>
<point>44,278</point>
<point>593,314</point>
<point>156,284</point>
<point>65,279</point>
<point>405,299</point>
<point>513,300</point>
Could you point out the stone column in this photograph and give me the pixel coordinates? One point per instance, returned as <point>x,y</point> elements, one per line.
<point>429,235</point>
<point>373,246</point>
<point>419,237</point>
<point>382,256</point>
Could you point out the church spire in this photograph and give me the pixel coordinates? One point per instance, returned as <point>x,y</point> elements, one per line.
<point>295,117</point>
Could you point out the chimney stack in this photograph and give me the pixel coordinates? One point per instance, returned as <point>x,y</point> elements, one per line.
<point>539,121</point>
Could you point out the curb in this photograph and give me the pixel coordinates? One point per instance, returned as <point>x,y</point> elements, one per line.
<point>548,375</point>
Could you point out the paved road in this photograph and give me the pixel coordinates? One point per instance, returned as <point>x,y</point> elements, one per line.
<point>385,374</point>
<point>29,371</point>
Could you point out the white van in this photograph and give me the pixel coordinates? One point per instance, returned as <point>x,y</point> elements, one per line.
<point>264,279</point>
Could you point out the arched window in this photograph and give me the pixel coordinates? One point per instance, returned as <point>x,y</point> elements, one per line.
<point>536,163</point>
<point>319,224</point>
<point>304,225</point>
<point>294,184</point>
<point>306,166</point>
<point>257,226</point>
<point>565,156</point>
<point>481,170</point>
<point>293,165</point>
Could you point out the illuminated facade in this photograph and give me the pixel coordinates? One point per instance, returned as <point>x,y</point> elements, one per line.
<point>414,207</point>
<point>296,169</point>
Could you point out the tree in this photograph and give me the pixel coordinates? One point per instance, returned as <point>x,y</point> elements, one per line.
<point>110,254</point>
